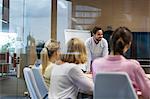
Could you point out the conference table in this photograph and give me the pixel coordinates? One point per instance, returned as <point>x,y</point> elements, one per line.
<point>148,75</point>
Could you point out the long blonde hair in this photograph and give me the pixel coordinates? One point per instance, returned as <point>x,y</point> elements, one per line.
<point>47,52</point>
<point>76,52</point>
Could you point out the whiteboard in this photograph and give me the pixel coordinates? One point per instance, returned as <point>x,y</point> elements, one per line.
<point>81,34</point>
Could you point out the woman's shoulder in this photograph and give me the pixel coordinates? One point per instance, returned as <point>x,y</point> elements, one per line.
<point>65,65</point>
<point>98,61</point>
<point>71,65</point>
<point>50,65</point>
<point>134,61</point>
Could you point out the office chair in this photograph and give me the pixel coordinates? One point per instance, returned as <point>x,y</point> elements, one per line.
<point>112,85</point>
<point>31,84</point>
<point>42,87</point>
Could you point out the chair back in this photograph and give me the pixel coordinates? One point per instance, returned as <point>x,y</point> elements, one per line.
<point>112,85</point>
<point>43,89</point>
<point>31,84</point>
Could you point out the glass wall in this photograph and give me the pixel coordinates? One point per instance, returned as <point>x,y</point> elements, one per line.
<point>23,24</point>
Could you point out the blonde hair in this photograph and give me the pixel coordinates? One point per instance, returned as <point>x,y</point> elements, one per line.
<point>76,52</point>
<point>50,47</point>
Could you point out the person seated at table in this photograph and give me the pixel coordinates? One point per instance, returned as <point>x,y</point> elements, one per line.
<point>67,78</point>
<point>49,55</point>
<point>120,42</point>
<point>39,48</point>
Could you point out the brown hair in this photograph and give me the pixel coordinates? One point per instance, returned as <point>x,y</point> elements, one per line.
<point>76,52</point>
<point>119,39</point>
<point>50,47</point>
<point>95,29</point>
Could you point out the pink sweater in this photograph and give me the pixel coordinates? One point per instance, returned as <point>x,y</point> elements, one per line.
<point>118,63</point>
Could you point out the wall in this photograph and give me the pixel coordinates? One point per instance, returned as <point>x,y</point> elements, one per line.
<point>131,13</point>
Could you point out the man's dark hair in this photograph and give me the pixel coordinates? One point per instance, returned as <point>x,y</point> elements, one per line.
<point>39,48</point>
<point>95,29</point>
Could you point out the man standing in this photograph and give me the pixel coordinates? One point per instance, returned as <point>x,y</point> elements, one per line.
<point>96,46</point>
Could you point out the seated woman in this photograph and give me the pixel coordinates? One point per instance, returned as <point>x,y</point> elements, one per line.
<point>120,42</point>
<point>67,78</point>
<point>49,55</point>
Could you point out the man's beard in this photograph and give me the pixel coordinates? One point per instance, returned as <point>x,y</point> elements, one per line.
<point>97,40</point>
